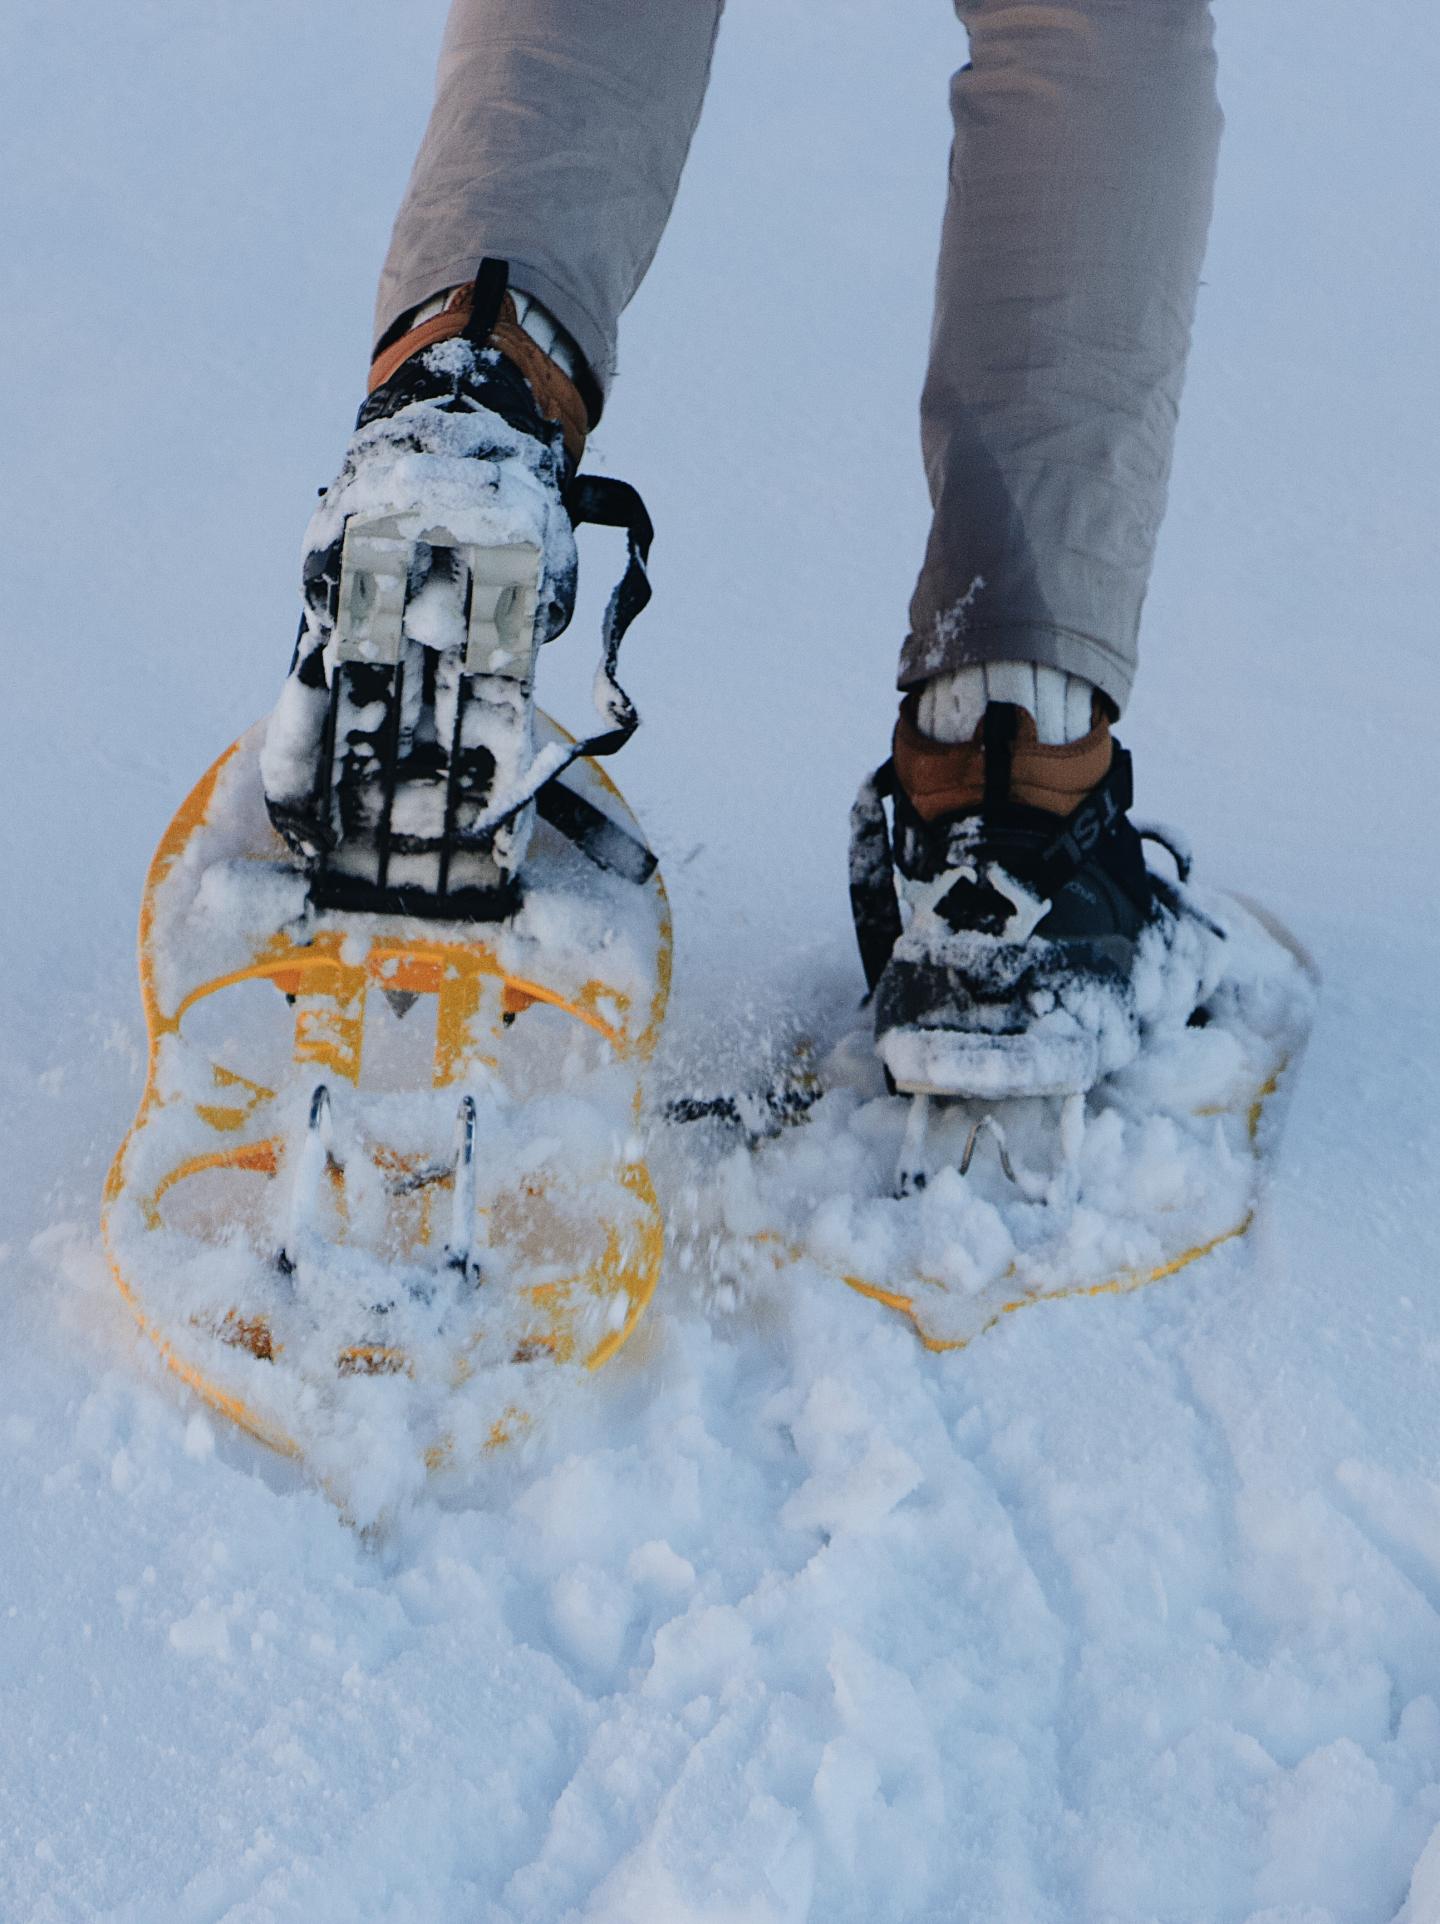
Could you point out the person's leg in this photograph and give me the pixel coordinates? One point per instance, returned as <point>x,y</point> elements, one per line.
<point>556,142</point>
<point>1086,134</point>
<point>443,555</point>
<point>1080,190</point>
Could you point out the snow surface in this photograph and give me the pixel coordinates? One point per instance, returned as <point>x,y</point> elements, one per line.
<point>1129,1612</point>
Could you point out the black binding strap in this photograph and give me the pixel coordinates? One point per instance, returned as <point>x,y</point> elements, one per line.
<point>601,840</point>
<point>998,729</point>
<point>602,503</point>
<point>874,902</point>
<point>605,504</point>
<point>491,283</point>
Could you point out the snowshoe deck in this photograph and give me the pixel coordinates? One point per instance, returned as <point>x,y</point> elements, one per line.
<point>384,1170</point>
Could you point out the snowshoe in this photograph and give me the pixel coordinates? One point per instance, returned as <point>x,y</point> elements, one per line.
<point>384,1169</point>
<point>1066,1082</point>
<point>384,1182</point>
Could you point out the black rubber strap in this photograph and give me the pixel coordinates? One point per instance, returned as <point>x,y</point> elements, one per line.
<point>998,729</point>
<point>491,284</point>
<point>606,504</point>
<point>874,903</point>
<point>599,839</point>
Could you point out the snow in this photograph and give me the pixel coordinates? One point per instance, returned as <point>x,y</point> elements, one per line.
<point>1129,1611</point>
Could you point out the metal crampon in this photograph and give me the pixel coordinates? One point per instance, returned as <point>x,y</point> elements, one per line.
<point>919,1154</point>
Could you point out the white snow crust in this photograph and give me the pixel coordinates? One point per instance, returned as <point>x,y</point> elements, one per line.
<point>1128,1612</point>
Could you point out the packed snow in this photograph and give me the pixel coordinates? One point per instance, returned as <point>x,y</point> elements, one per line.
<point>1128,1611</point>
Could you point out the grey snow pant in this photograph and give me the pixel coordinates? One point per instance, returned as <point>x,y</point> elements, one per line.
<point>1081,178</point>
